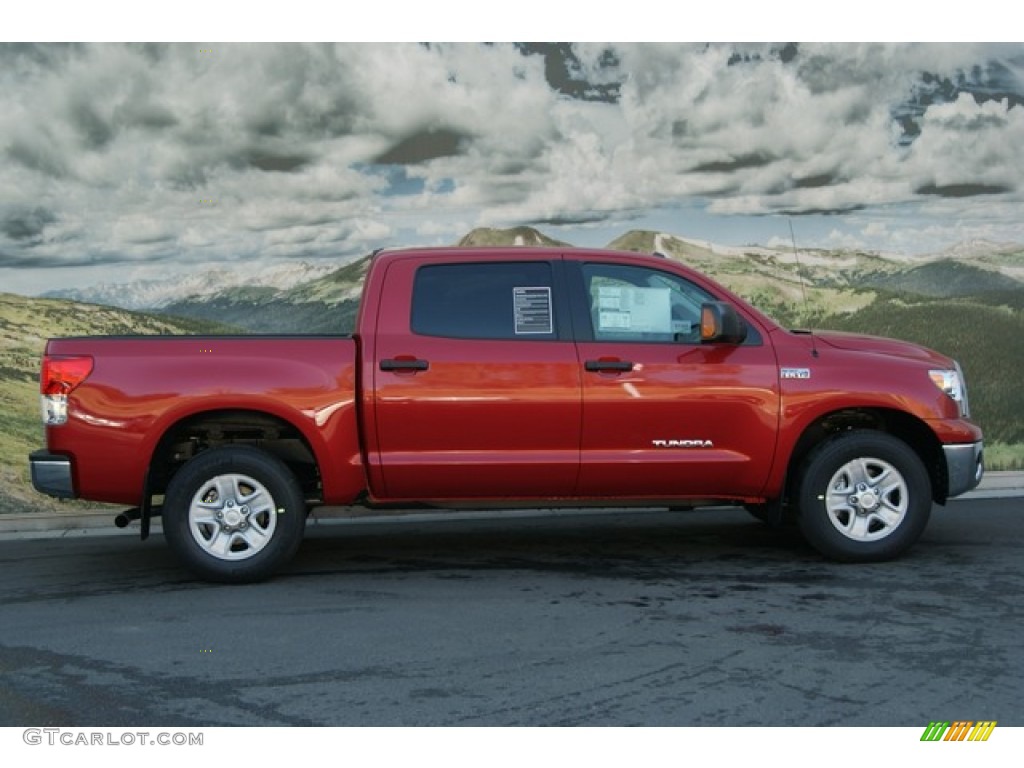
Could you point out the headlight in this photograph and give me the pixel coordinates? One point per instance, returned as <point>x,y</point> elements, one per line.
<point>952,383</point>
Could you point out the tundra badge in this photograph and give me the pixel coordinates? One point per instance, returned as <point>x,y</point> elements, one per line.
<point>682,444</point>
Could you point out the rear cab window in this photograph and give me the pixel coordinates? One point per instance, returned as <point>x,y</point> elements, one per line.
<point>486,300</point>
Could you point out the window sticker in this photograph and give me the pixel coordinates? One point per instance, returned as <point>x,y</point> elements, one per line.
<point>532,307</point>
<point>613,321</point>
<point>638,310</point>
<point>609,297</point>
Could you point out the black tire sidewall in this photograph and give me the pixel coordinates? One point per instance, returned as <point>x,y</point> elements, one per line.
<point>821,466</point>
<point>261,466</point>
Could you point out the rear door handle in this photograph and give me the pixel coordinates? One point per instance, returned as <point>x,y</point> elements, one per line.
<point>604,366</point>
<point>404,364</point>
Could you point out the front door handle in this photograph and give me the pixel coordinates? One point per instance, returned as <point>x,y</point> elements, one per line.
<point>606,366</point>
<point>400,364</point>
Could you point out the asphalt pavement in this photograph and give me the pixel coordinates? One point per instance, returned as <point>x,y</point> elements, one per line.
<point>618,618</point>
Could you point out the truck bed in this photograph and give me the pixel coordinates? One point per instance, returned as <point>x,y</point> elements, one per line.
<point>144,396</point>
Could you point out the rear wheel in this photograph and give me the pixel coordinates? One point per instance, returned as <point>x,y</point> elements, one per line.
<point>863,496</point>
<point>234,514</point>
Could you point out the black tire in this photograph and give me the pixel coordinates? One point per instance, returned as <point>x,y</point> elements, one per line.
<point>863,496</point>
<point>234,514</point>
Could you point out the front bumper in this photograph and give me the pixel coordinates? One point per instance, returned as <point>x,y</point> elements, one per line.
<point>965,466</point>
<point>51,474</point>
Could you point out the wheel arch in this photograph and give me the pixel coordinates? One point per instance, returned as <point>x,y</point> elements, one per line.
<point>196,432</point>
<point>904,426</point>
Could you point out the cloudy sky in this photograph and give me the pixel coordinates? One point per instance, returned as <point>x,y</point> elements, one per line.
<point>122,161</point>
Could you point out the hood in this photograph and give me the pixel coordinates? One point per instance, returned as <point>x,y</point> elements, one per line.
<point>881,346</point>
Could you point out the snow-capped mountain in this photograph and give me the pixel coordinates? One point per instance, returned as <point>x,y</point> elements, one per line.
<point>974,249</point>
<point>159,293</point>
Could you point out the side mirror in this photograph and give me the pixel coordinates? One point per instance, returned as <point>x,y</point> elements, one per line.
<point>720,323</point>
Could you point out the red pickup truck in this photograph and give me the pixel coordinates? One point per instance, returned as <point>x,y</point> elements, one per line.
<point>503,377</point>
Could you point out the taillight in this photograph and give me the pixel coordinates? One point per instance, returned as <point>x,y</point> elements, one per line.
<point>59,377</point>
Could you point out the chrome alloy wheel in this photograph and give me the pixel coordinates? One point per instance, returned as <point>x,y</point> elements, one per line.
<point>232,517</point>
<point>867,499</point>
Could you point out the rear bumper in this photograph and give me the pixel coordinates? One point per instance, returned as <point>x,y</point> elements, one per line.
<point>51,474</point>
<point>965,466</point>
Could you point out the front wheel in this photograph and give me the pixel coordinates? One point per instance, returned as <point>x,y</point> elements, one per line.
<point>863,497</point>
<point>234,514</point>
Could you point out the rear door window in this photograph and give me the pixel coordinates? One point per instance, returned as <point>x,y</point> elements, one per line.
<point>511,301</point>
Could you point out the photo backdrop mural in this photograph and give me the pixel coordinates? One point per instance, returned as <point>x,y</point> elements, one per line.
<point>240,185</point>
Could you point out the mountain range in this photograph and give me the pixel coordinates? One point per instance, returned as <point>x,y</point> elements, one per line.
<point>967,302</point>
<point>793,286</point>
<point>157,293</point>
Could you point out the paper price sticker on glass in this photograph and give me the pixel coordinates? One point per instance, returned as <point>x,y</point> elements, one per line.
<point>532,309</point>
<point>637,310</point>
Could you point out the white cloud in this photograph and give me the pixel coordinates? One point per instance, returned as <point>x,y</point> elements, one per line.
<point>176,153</point>
<point>964,142</point>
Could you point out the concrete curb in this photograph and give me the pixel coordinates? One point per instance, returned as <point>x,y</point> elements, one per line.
<point>997,485</point>
<point>55,525</point>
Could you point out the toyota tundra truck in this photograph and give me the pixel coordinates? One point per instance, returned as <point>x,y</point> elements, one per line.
<point>505,377</point>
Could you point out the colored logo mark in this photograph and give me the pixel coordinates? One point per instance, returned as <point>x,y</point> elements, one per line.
<point>959,730</point>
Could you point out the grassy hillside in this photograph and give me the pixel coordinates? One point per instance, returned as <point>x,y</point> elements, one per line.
<point>987,340</point>
<point>943,278</point>
<point>25,324</point>
<point>521,236</point>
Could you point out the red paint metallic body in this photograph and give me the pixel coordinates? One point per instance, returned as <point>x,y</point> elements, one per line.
<point>490,418</point>
<point>140,387</point>
<point>716,405</point>
<point>500,420</point>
